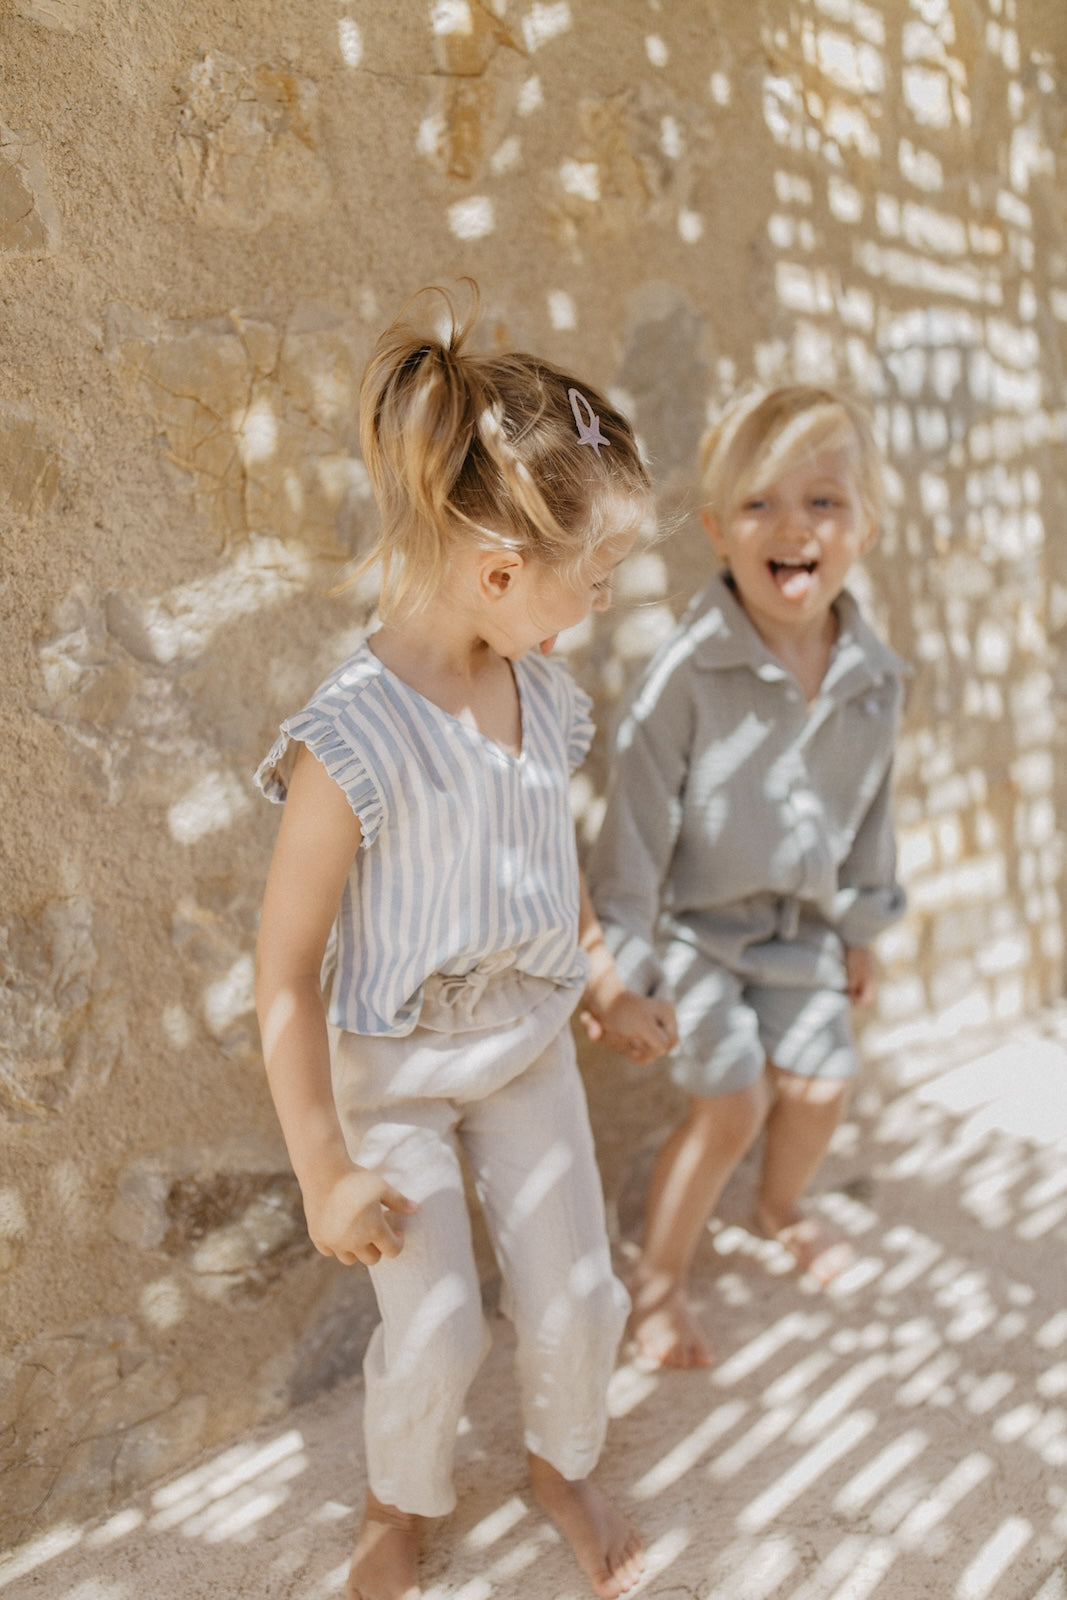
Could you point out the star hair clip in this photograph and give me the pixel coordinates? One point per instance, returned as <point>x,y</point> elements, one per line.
<point>588,425</point>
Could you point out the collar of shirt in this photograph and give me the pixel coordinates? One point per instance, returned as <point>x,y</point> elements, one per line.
<point>723,637</point>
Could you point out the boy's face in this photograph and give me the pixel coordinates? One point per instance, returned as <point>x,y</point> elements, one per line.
<point>790,543</point>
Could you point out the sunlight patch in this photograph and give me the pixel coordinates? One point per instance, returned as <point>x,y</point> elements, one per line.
<point>473,218</point>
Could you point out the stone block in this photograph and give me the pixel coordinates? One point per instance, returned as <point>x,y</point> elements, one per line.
<point>63,16</point>
<point>60,1028</point>
<point>29,459</point>
<point>247,146</point>
<point>29,221</point>
<point>261,423</point>
<point>87,1415</point>
<point>230,1218</point>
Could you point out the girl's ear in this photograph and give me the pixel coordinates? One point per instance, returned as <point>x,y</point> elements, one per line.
<point>497,571</point>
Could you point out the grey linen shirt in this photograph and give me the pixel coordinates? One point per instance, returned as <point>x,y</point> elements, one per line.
<point>742,821</point>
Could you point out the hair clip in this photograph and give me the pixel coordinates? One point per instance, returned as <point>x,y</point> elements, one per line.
<point>589,425</point>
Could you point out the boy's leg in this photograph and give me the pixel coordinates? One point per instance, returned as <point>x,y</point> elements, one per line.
<point>800,1125</point>
<point>531,1151</point>
<point>690,1173</point>
<point>811,1066</point>
<point>720,1064</point>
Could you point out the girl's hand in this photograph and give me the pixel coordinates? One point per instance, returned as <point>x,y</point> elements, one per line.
<point>638,1026</point>
<point>861,974</point>
<point>347,1219</point>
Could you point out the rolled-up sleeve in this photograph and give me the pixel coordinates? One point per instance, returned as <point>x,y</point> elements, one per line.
<point>869,897</point>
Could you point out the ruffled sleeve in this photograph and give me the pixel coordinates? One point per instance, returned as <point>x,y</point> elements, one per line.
<point>580,728</point>
<point>329,746</point>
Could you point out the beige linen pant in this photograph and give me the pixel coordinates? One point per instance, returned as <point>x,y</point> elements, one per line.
<point>490,1071</point>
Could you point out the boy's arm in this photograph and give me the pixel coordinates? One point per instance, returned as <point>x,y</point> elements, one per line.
<point>639,1026</point>
<point>869,898</point>
<point>316,845</point>
<point>861,974</point>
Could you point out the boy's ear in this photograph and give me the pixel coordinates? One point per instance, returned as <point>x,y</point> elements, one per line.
<point>713,530</point>
<point>869,537</point>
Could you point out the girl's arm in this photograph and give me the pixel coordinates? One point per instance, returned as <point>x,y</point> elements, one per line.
<point>316,846</point>
<point>639,1026</point>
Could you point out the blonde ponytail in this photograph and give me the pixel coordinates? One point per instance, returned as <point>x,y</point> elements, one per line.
<point>460,447</point>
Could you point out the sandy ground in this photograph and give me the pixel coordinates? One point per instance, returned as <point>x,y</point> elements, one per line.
<point>902,1434</point>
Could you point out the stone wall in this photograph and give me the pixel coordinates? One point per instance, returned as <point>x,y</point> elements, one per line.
<point>207,213</point>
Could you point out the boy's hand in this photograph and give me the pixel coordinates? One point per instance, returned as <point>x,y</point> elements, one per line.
<point>861,974</point>
<point>346,1216</point>
<point>638,1026</point>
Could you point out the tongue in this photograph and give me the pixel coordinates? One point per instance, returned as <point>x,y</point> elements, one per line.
<point>794,582</point>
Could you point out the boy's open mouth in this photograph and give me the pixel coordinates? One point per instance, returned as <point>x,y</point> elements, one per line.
<point>791,566</point>
<point>793,578</point>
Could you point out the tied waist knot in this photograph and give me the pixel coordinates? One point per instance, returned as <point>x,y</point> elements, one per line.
<point>787,919</point>
<point>450,998</point>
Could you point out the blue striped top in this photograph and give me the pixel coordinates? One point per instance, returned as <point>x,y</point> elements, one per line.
<point>467,852</point>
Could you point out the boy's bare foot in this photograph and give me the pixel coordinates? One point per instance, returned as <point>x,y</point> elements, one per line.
<point>386,1558</point>
<point>666,1332</point>
<point>607,1547</point>
<point>817,1247</point>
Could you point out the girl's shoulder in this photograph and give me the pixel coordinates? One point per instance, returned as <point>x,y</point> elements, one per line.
<point>346,682</point>
<point>329,724</point>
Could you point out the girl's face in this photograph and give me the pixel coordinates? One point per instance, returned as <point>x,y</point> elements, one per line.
<point>551,603</point>
<point>790,543</point>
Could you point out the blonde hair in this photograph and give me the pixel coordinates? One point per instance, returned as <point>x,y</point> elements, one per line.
<point>767,432</point>
<point>486,450</point>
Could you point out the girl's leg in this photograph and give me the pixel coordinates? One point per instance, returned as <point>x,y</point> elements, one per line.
<point>690,1173</point>
<point>385,1561</point>
<point>423,1356</point>
<point>799,1127</point>
<point>531,1152</point>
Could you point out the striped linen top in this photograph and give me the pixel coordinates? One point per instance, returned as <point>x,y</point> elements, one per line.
<point>468,853</point>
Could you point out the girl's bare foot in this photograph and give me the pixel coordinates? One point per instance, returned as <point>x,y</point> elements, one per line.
<point>666,1332</point>
<point>816,1246</point>
<point>607,1547</point>
<point>386,1558</point>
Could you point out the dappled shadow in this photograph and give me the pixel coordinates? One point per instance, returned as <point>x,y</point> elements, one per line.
<point>904,1432</point>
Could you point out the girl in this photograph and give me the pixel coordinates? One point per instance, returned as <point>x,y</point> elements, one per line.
<point>427,825</point>
<point>747,855</point>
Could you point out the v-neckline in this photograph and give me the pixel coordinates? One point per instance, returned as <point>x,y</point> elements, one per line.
<point>513,757</point>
